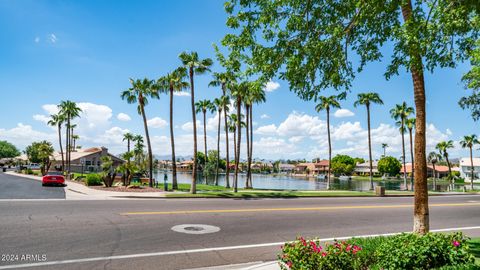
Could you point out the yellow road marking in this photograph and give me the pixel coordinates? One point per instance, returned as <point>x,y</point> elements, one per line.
<point>292,209</point>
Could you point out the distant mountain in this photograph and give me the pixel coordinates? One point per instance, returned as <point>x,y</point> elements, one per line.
<point>169,157</point>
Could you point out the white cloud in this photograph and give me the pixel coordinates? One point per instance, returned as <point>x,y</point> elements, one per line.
<point>181,94</point>
<point>157,122</point>
<point>52,37</point>
<point>42,118</point>
<point>271,86</point>
<point>23,135</point>
<point>37,39</point>
<point>123,117</point>
<point>264,116</point>
<point>343,113</point>
<point>267,130</point>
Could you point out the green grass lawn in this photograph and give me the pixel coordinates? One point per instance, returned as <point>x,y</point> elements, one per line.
<point>475,249</point>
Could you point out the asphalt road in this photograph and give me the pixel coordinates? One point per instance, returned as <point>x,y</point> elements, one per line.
<point>14,187</point>
<point>78,230</point>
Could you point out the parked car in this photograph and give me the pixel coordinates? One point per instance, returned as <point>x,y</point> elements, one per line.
<point>33,166</point>
<point>53,178</point>
<point>345,177</point>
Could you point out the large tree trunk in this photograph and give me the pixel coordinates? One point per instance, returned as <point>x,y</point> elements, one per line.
<point>60,144</point>
<point>329,150</point>
<point>205,138</point>
<point>149,145</point>
<point>471,168</point>
<point>251,143</point>
<point>247,110</point>
<point>239,138</point>
<point>402,130</point>
<point>193,187</point>
<point>172,142</point>
<point>411,156</point>
<point>370,147</point>
<point>227,172</point>
<point>218,145</point>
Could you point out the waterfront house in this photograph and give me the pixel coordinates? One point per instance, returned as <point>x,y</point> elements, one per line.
<point>86,160</point>
<point>286,168</point>
<point>440,170</point>
<point>465,169</point>
<point>364,168</point>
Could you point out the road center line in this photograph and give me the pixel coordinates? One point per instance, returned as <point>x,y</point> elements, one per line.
<point>320,208</point>
<point>164,253</point>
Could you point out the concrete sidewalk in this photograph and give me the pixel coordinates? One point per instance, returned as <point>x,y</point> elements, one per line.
<point>78,191</point>
<point>245,266</point>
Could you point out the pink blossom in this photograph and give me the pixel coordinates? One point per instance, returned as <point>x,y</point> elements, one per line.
<point>289,264</point>
<point>456,243</point>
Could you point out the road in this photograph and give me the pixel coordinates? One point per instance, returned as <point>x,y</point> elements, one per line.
<point>124,231</point>
<point>14,187</point>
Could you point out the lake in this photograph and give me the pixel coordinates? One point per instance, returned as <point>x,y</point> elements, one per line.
<point>261,181</point>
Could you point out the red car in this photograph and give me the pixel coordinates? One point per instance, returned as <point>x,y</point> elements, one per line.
<point>53,178</point>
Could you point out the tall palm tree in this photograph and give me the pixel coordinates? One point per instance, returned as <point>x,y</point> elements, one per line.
<point>434,157</point>
<point>325,104</point>
<point>238,91</point>
<point>223,80</point>
<point>171,83</point>
<point>194,66</point>
<point>232,127</point>
<point>367,99</point>
<point>256,95</point>
<point>72,135</point>
<point>58,120</point>
<point>75,137</point>
<point>401,112</point>
<point>205,106</point>
<point>443,147</point>
<point>129,137</point>
<point>138,148</point>
<point>139,93</point>
<point>219,103</point>
<point>69,110</point>
<point>384,146</point>
<point>410,124</point>
<point>469,141</point>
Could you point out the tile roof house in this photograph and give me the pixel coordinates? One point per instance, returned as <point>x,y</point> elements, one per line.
<point>440,170</point>
<point>86,159</point>
<point>465,169</point>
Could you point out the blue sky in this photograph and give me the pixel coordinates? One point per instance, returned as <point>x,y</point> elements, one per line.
<point>86,51</point>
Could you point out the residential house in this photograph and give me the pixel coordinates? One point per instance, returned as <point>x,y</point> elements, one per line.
<point>86,160</point>
<point>465,169</point>
<point>312,168</point>
<point>364,168</point>
<point>440,170</point>
<point>286,168</point>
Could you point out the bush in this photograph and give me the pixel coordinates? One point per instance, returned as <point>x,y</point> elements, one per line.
<point>93,180</point>
<point>389,165</point>
<point>403,251</point>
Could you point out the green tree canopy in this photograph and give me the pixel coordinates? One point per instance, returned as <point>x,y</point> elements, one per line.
<point>389,165</point>
<point>8,150</point>
<point>342,164</point>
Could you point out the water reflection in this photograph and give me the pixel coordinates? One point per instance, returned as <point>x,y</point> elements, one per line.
<point>261,181</point>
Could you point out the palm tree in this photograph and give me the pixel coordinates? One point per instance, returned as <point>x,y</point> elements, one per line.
<point>219,103</point>
<point>443,147</point>
<point>410,124</point>
<point>69,110</point>
<point>138,149</point>
<point>470,141</point>
<point>58,120</point>
<point>384,146</point>
<point>72,140</point>
<point>129,137</point>
<point>367,99</point>
<point>194,66</point>
<point>434,157</point>
<point>171,83</point>
<point>238,91</point>
<point>256,95</point>
<point>203,106</point>
<point>75,138</point>
<point>222,80</point>
<point>139,93</point>
<point>401,112</point>
<point>326,103</point>
<point>232,127</point>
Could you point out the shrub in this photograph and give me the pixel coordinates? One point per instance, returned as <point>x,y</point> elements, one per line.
<point>93,180</point>
<point>389,165</point>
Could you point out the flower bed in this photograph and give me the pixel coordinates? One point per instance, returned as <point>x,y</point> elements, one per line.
<point>403,251</point>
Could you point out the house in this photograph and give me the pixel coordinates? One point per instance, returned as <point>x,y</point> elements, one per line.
<point>286,168</point>
<point>465,169</point>
<point>312,168</point>
<point>86,159</point>
<point>440,170</point>
<point>186,165</point>
<point>364,168</point>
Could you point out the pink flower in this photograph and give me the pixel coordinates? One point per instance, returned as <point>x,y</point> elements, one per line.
<point>456,243</point>
<point>289,264</point>
<point>324,254</point>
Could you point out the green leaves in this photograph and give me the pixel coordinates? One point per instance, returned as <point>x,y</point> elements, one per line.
<point>8,150</point>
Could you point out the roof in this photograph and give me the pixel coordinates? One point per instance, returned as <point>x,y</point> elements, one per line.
<point>81,153</point>
<point>367,164</point>
<point>322,163</point>
<point>467,162</point>
<point>438,168</point>
<point>286,166</point>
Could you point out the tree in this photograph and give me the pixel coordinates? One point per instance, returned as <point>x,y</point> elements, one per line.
<point>443,147</point>
<point>469,141</point>
<point>129,137</point>
<point>434,158</point>
<point>109,173</point>
<point>471,81</point>
<point>139,93</point>
<point>203,106</point>
<point>401,112</point>
<point>384,146</point>
<point>194,66</point>
<point>389,165</point>
<point>232,127</point>
<point>171,83</point>
<point>342,164</point>
<point>325,104</point>
<point>40,152</point>
<point>367,99</point>
<point>57,120</point>
<point>8,150</point>
<point>220,103</point>
<point>410,124</point>
<point>296,38</point>
<point>69,110</point>
<point>238,92</point>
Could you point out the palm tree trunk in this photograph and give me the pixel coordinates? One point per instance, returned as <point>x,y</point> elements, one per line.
<point>251,143</point>
<point>239,138</point>
<point>68,145</point>
<point>471,168</point>
<point>127,176</point>
<point>329,150</point>
<point>60,144</point>
<point>227,172</point>
<point>411,156</point>
<point>449,169</point>
<point>172,142</point>
<point>193,187</point>
<point>205,138</point>
<point>384,152</point>
<point>218,145</point>
<point>403,154</point>
<point>370,147</point>
<point>149,145</point>
<point>234,153</point>
<point>434,177</point>
<point>247,110</point>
